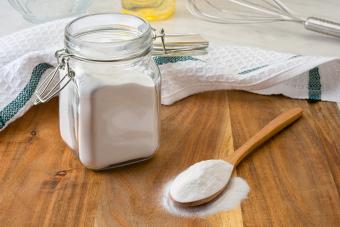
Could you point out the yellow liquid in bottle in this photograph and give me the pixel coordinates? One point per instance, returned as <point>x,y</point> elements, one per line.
<point>150,9</point>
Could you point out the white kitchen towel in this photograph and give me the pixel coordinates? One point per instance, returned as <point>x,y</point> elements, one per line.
<point>25,56</point>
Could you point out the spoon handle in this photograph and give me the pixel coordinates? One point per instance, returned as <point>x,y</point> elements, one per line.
<point>272,128</point>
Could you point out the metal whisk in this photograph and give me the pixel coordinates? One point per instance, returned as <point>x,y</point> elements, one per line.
<point>257,11</point>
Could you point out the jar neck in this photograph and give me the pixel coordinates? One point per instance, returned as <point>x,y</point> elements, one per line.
<point>109,37</point>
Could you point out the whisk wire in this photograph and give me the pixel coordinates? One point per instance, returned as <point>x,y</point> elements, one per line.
<point>251,14</point>
<point>266,5</point>
<point>260,9</point>
<point>283,7</point>
<point>240,17</point>
<point>247,11</point>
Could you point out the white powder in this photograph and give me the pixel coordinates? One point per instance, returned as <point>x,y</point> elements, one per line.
<point>201,180</point>
<point>116,118</point>
<point>236,191</point>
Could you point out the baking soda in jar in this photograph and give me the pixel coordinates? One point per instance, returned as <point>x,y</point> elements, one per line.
<point>109,112</point>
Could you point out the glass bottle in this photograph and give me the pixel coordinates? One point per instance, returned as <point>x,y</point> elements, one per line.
<point>150,9</point>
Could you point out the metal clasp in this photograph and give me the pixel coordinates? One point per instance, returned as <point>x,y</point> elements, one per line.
<point>178,44</point>
<point>48,88</point>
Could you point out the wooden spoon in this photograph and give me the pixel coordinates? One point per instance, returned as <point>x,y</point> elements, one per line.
<point>272,128</point>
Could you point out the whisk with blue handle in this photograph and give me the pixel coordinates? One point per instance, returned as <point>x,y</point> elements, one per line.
<point>257,11</point>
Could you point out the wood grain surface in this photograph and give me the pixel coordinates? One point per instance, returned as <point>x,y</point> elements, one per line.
<point>294,178</point>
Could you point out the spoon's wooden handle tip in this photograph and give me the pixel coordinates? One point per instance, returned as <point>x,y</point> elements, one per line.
<point>297,110</point>
<point>292,115</point>
<point>276,125</point>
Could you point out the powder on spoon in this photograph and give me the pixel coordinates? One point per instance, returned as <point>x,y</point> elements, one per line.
<point>201,180</point>
<point>236,191</point>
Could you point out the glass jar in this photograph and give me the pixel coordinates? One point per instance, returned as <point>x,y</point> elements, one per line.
<point>109,111</point>
<point>37,11</point>
<point>150,9</point>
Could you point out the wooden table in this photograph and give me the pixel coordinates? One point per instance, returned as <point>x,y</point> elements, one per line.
<point>294,178</point>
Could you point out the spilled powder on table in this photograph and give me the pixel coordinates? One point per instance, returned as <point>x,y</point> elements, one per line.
<point>236,191</point>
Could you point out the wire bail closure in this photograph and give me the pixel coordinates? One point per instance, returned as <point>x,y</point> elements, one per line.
<point>47,90</point>
<point>189,44</point>
<point>162,36</point>
<point>174,45</point>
